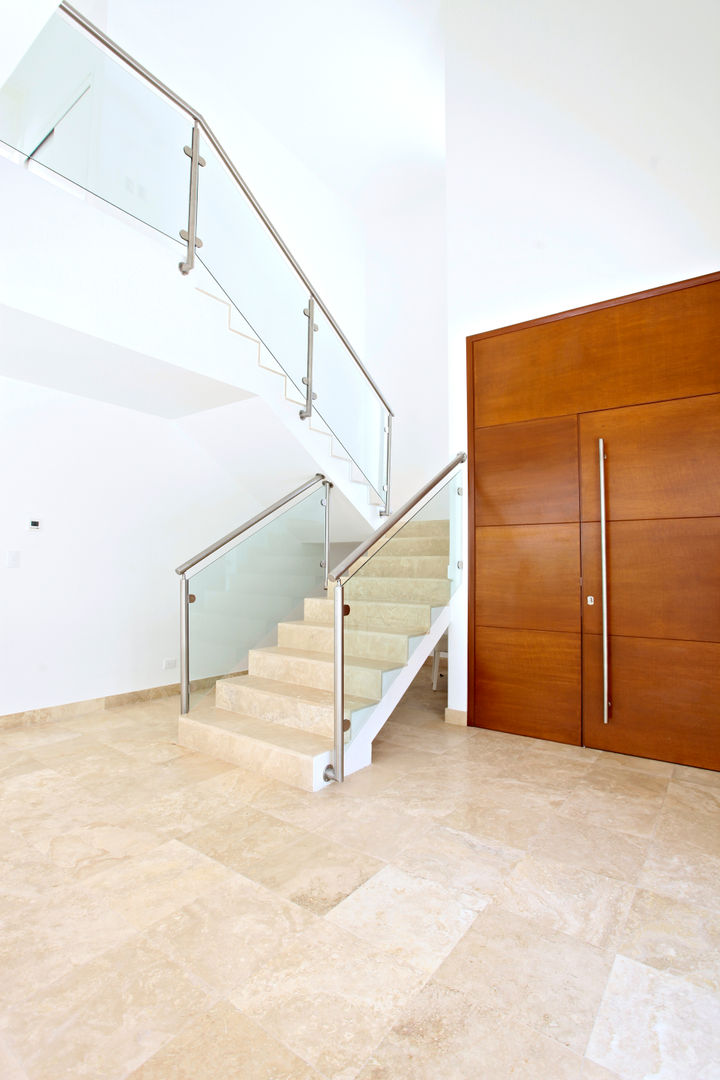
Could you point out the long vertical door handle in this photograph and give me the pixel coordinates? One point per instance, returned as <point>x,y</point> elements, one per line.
<point>603,564</point>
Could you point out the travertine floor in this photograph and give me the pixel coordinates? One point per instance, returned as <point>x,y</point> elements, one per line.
<point>474,906</point>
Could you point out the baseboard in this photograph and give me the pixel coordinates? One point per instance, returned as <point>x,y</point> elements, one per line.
<point>456,716</point>
<point>58,713</point>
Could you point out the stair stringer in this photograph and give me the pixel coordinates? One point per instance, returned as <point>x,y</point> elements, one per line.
<point>315,436</point>
<point>358,754</point>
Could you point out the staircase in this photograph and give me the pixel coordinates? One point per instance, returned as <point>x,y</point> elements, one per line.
<point>278,719</point>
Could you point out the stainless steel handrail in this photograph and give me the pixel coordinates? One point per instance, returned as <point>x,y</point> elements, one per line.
<point>316,480</point>
<point>342,568</point>
<point>335,769</point>
<point>143,72</point>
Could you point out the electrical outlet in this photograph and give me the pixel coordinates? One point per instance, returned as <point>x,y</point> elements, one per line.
<point>168,663</point>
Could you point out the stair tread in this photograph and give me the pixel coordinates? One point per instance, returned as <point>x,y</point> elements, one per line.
<point>294,740</point>
<point>297,691</point>
<point>307,654</point>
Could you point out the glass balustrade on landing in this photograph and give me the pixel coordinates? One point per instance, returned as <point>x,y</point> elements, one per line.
<point>74,108</point>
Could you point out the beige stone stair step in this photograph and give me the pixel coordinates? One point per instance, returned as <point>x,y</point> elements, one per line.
<point>433,591</point>
<point>369,644</point>
<point>440,527</point>
<point>409,566</point>
<point>417,545</point>
<point>363,678</point>
<point>290,704</point>
<point>267,749</point>
<point>402,618</point>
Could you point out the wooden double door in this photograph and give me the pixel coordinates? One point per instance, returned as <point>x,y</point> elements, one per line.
<point>538,650</point>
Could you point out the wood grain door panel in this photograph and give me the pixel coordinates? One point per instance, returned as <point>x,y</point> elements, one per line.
<point>528,577</point>
<point>527,473</point>
<point>528,682</point>
<point>663,578</point>
<point>645,349</point>
<point>665,699</point>
<point>661,460</point>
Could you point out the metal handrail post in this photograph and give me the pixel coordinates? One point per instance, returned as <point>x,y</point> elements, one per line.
<point>326,553</point>
<point>385,512</point>
<point>336,771</point>
<point>190,235</point>
<point>306,411</point>
<point>184,645</point>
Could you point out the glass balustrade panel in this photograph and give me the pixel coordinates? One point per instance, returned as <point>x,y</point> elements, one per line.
<point>84,116</point>
<point>396,595</point>
<point>252,271</point>
<point>349,405</point>
<point>248,589</point>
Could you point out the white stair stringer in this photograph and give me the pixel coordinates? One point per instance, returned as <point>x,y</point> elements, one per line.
<point>314,435</point>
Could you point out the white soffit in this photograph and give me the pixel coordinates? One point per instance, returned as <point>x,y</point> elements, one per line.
<point>47,354</point>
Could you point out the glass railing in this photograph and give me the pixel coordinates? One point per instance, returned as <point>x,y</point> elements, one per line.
<point>82,108</point>
<point>233,598</point>
<point>388,595</point>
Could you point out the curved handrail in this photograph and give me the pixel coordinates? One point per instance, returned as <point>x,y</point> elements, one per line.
<point>342,568</point>
<point>318,478</point>
<point>143,72</point>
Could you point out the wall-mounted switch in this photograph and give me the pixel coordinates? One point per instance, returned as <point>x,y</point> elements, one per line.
<point>591,601</point>
<point>34,524</point>
<point>169,663</point>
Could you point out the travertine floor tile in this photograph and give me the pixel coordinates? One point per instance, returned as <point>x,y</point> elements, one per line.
<point>652,1024</point>
<point>10,1067</point>
<point>509,812</point>
<point>575,901</point>
<point>50,936</point>
<point>704,777</point>
<point>442,1034</point>
<point>149,887</point>
<point>591,1071</point>
<point>682,871</point>
<point>357,993</point>
<point>299,865</point>
<point>104,1018</point>
<point>473,869</point>
<point>615,854</point>
<point>620,799</point>
<point>226,935</point>
<point>224,1045</point>
<point>672,936</point>
<point>542,978</point>
<point>378,826</point>
<point>415,921</point>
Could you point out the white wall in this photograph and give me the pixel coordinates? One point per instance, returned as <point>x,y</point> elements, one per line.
<point>122,498</point>
<point>582,162</point>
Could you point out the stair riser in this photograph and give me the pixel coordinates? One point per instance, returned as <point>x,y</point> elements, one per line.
<point>417,545</point>
<point>421,591</point>
<point>277,708</point>
<point>361,682</point>
<point>257,757</point>
<point>367,644</point>
<point>427,528</point>
<point>398,618</point>
<point>409,566</point>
